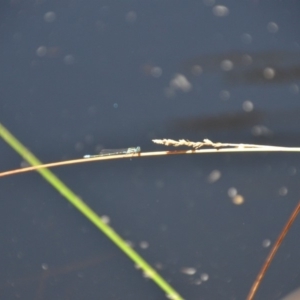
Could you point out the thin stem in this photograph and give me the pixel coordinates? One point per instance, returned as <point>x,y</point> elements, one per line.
<point>272,253</point>
<point>259,148</point>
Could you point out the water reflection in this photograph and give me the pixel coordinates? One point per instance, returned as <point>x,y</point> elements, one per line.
<point>259,123</point>
<point>265,76</point>
<point>226,121</point>
<point>248,68</point>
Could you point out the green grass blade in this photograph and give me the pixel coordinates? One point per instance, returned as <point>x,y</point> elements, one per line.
<point>89,213</point>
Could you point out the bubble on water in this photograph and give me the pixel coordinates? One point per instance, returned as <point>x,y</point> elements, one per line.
<point>224,95</point>
<point>248,106</point>
<point>232,192</point>
<point>105,219</point>
<point>220,11</point>
<point>144,245</point>
<point>197,281</point>
<point>180,82</point>
<point>272,27</point>
<point>204,276</point>
<point>266,243</point>
<point>159,266</point>
<point>49,17</point>
<point>226,65</point>
<point>261,130</point>
<point>197,70</point>
<point>238,199</point>
<point>246,38</point>
<point>41,51</point>
<point>269,73</point>
<point>159,184</point>
<point>69,59</point>
<point>283,191</point>
<point>294,88</point>
<point>188,271</point>
<point>131,17</point>
<point>130,243</point>
<point>45,266</point>
<point>247,60</point>
<point>214,176</point>
<point>156,72</point>
<point>292,171</point>
<point>116,105</point>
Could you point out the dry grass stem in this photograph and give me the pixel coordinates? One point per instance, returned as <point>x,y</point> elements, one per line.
<point>272,253</point>
<point>213,148</point>
<point>207,143</point>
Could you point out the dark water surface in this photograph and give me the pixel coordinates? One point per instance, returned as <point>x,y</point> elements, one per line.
<point>80,75</point>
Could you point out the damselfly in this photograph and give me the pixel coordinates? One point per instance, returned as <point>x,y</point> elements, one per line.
<point>106,152</point>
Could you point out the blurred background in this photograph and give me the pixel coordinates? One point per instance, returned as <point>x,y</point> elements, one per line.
<point>78,76</point>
